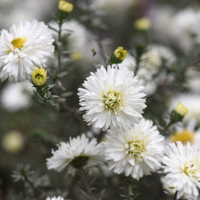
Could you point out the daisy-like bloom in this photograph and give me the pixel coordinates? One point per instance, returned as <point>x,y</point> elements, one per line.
<point>185,29</point>
<point>22,47</point>
<point>78,152</point>
<point>154,57</point>
<point>135,152</point>
<point>16,96</point>
<point>112,98</point>
<point>191,102</point>
<point>182,168</point>
<point>55,198</point>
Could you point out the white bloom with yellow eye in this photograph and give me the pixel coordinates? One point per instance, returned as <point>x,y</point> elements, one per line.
<point>112,98</point>
<point>135,152</point>
<point>22,47</point>
<point>181,165</point>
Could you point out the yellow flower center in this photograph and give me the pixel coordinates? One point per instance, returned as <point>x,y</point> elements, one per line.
<point>135,149</point>
<point>17,43</point>
<point>113,101</point>
<point>183,136</point>
<point>191,168</point>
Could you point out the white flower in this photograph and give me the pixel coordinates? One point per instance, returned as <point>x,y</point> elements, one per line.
<point>54,198</point>
<point>129,62</point>
<point>155,57</point>
<point>191,102</point>
<point>185,28</point>
<point>22,47</point>
<point>112,98</point>
<point>16,96</point>
<point>182,166</point>
<point>135,152</point>
<point>79,40</point>
<point>78,152</point>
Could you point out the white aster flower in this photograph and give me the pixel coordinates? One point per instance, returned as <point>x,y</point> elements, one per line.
<point>55,198</point>
<point>112,98</point>
<point>182,166</point>
<point>135,152</point>
<point>16,96</point>
<point>191,102</point>
<point>22,47</point>
<point>185,29</point>
<point>155,57</point>
<point>78,152</point>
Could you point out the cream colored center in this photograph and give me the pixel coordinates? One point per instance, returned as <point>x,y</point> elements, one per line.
<point>135,149</point>
<point>113,101</point>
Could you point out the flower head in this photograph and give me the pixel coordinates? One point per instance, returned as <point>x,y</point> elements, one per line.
<point>112,97</point>
<point>22,47</point>
<point>39,76</point>
<point>135,152</point>
<point>78,152</point>
<point>120,53</point>
<point>65,6</point>
<point>182,166</point>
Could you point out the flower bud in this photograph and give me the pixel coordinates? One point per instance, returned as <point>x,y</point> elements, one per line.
<point>142,24</point>
<point>39,76</point>
<point>181,109</point>
<point>65,6</point>
<point>120,53</point>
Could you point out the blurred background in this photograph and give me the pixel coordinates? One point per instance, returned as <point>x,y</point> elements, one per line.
<point>162,38</point>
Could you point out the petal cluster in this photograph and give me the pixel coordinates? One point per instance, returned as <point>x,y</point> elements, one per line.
<point>22,47</point>
<point>135,152</point>
<point>76,148</point>
<point>112,98</point>
<point>182,166</point>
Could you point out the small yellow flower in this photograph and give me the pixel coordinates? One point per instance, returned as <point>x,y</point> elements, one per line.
<point>142,24</point>
<point>181,109</point>
<point>39,76</point>
<point>120,53</point>
<point>65,6</point>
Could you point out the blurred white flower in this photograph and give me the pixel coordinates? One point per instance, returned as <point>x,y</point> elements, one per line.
<point>191,102</point>
<point>78,153</point>
<point>193,80</point>
<point>154,58</point>
<point>135,152</point>
<point>186,29</point>
<point>79,40</point>
<point>182,166</point>
<point>112,98</point>
<point>22,47</point>
<point>16,96</point>
<point>112,6</point>
<point>161,20</point>
<point>129,62</point>
<point>55,198</point>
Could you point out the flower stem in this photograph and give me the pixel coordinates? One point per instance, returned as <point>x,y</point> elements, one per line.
<point>175,196</point>
<point>59,42</point>
<point>130,191</point>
